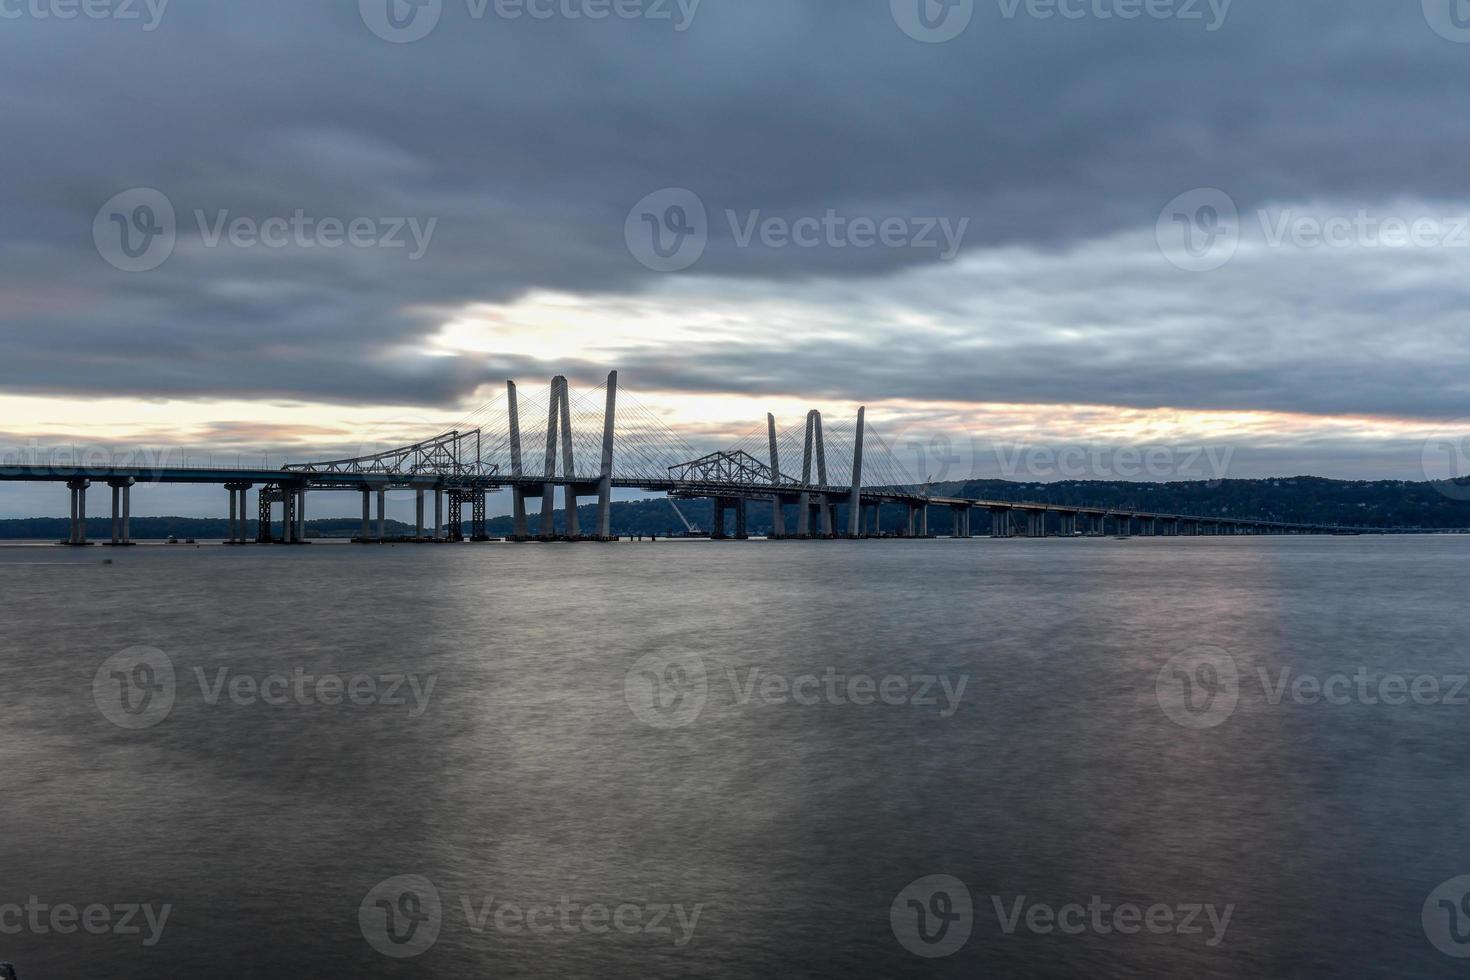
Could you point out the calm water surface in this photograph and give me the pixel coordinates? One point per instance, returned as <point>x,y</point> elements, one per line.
<point>584,747</point>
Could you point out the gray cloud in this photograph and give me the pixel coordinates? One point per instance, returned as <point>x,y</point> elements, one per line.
<point>529,140</point>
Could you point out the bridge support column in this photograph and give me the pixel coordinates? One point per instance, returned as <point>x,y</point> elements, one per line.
<point>121,493</point>
<point>438,514</point>
<point>778,516</point>
<point>263,518</point>
<point>382,514</point>
<point>741,531</point>
<point>604,481</point>
<point>77,533</point>
<point>923,520</point>
<point>301,516</point>
<point>366,533</point>
<point>288,515</point>
<point>418,515</point>
<point>717,527</point>
<point>855,503</point>
<point>238,523</point>
<point>521,530</point>
<point>477,516</point>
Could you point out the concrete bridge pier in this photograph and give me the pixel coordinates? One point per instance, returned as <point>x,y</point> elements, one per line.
<point>301,516</point>
<point>122,491</point>
<point>717,519</point>
<point>288,515</point>
<point>382,513</point>
<point>418,514</point>
<point>365,533</point>
<point>1035,523</point>
<point>439,514</point>
<point>1125,525</point>
<point>1000,522</point>
<point>520,527</point>
<point>238,522</point>
<point>741,531</point>
<point>77,530</point>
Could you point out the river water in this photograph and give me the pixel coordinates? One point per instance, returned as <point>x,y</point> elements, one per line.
<point>1158,757</point>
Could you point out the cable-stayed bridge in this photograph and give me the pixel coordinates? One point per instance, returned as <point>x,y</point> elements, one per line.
<point>555,444</point>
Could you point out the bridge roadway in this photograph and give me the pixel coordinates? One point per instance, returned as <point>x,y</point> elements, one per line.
<point>816,504</point>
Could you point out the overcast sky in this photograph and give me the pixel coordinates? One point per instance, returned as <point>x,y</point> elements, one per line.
<point>272,228</point>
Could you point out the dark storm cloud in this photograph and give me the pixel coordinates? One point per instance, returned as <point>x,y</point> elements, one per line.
<point>527,141</point>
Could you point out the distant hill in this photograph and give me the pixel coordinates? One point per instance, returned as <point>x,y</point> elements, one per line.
<point>1302,499</point>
